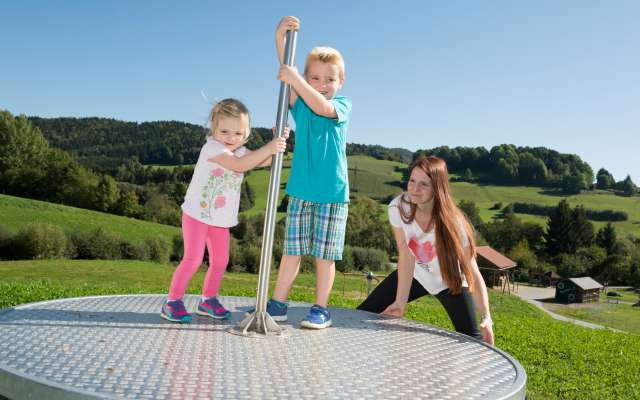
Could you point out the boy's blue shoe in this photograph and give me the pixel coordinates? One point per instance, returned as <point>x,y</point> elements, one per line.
<point>212,307</point>
<point>276,309</point>
<point>174,311</point>
<point>318,318</point>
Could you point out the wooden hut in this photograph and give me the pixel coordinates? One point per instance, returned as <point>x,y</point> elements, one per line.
<point>578,290</point>
<point>495,267</point>
<point>548,278</point>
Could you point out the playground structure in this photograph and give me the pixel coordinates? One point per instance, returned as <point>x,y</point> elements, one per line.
<point>117,347</point>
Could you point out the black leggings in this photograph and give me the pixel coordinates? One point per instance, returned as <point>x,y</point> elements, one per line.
<point>458,306</point>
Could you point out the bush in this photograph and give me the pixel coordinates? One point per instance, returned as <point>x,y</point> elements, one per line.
<point>5,243</point>
<point>236,261</point>
<point>132,251</point>
<point>158,249</point>
<point>177,248</point>
<point>370,259</point>
<point>40,241</point>
<point>346,264</point>
<point>97,244</point>
<point>251,258</point>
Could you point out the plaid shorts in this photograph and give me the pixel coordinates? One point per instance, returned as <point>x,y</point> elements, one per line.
<point>316,229</point>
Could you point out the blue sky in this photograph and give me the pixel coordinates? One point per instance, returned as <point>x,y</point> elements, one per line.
<point>559,74</point>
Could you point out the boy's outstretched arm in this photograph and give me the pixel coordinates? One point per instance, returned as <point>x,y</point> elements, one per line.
<point>316,101</point>
<point>286,24</point>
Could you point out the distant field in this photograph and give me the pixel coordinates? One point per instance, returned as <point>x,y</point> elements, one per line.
<point>380,178</point>
<point>485,196</point>
<point>620,316</point>
<point>16,212</point>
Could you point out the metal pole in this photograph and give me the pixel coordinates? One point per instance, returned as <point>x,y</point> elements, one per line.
<point>260,322</point>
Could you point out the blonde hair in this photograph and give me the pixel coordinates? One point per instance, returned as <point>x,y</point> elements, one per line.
<point>450,223</point>
<point>327,55</point>
<point>228,108</point>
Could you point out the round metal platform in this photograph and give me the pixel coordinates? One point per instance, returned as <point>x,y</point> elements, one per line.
<point>119,347</point>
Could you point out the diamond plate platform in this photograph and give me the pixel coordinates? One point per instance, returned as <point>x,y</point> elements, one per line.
<point>118,347</point>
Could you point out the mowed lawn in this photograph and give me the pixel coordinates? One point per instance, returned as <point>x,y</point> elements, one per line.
<point>16,212</point>
<point>562,361</point>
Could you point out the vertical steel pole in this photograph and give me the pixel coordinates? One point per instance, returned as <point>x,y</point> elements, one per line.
<point>260,322</point>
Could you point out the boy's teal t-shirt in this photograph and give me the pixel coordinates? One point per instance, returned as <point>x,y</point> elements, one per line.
<point>319,169</point>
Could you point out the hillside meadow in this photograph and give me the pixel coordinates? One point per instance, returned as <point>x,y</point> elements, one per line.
<point>16,212</point>
<point>380,179</point>
<point>562,361</point>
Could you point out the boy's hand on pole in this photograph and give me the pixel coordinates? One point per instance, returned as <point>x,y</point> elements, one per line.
<point>289,23</point>
<point>288,74</point>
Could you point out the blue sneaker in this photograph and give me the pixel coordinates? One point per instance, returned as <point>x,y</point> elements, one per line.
<point>211,307</point>
<point>318,318</point>
<point>174,311</point>
<point>276,309</point>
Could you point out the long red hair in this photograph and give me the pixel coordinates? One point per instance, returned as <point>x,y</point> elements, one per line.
<point>450,224</point>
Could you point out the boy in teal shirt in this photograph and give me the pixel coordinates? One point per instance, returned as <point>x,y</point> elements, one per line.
<point>318,185</point>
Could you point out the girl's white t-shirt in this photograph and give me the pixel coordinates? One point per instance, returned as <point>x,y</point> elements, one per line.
<point>423,247</point>
<point>213,196</point>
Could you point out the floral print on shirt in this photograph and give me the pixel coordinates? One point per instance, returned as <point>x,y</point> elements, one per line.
<point>220,181</point>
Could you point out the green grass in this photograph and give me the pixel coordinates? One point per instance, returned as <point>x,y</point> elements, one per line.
<point>620,316</point>
<point>485,196</point>
<point>628,295</point>
<point>562,361</point>
<point>16,212</point>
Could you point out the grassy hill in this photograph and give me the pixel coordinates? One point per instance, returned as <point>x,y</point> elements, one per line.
<point>368,176</point>
<point>16,212</point>
<point>562,361</point>
<point>380,178</point>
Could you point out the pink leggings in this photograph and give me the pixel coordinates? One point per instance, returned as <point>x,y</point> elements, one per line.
<point>196,234</point>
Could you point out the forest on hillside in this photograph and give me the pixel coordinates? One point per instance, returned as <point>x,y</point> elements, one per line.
<point>105,144</point>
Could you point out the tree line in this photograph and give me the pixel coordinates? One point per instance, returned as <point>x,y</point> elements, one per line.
<point>510,164</point>
<point>568,245</point>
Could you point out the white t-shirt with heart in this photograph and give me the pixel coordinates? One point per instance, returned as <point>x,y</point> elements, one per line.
<point>423,247</point>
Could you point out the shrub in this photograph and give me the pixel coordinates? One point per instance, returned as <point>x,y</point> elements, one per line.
<point>370,259</point>
<point>346,264</point>
<point>158,249</point>
<point>97,244</point>
<point>132,251</point>
<point>251,258</point>
<point>6,239</point>
<point>236,261</point>
<point>177,248</point>
<point>40,241</point>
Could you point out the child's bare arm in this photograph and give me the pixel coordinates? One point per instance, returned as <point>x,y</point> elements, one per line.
<point>316,101</point>
<point>285,135</point>
<point>286,24</point>
<point>251,159</point>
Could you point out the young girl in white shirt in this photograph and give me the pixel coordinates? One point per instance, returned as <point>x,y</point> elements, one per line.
<point>211,205</point>
<point>436,254</point>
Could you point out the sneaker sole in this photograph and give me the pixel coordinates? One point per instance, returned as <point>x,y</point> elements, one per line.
<point>311,325</point>
<point>277,318</point>
<point>206,314</point>
<point>175,320</point>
